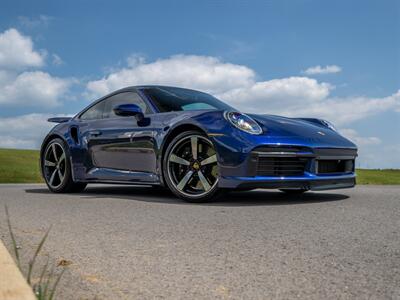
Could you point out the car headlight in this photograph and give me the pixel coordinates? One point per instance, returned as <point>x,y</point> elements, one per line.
<point>329,125</point>
<point>243,122</point>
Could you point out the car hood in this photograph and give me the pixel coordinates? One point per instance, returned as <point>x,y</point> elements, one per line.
<point>277,126</point>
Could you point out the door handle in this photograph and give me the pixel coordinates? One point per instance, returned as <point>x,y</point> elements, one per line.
<point>95,133</point>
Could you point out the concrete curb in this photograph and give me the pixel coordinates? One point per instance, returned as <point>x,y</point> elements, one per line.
<point>13,285</point>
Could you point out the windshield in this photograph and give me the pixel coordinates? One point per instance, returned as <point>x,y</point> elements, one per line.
<point>168,99</point>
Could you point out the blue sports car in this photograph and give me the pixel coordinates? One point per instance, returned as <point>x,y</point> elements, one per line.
<point>194,144</point>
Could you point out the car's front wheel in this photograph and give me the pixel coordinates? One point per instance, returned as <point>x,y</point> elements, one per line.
<point>190,167</point>
<point>56,169</point>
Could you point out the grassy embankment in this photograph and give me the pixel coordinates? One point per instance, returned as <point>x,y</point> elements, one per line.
<point>22,166</point>
<point>388,176</point>
<point>19,166</point>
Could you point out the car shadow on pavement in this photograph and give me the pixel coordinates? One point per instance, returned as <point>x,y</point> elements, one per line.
<point>155,195</point>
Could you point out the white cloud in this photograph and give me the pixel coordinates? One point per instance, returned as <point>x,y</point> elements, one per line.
<point>360,140</point>
<point>135,59</point>
<point>21,87</point>
<point>57,61</point>
<point>26,131</point>
<point>276,95</point>
<point>201,72</point>
<point>16,51</point>
<point>322,70</point>
<point>33,89</point>
<point>350,109</point>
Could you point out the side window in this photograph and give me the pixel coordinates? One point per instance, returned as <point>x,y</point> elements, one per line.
<point>123,98</point>
<point>93,113</point>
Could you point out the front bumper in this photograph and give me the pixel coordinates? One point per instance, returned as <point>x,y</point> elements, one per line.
<point>292,167</point>
<point>307,182</point>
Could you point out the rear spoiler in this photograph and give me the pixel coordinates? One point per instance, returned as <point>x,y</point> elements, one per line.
<point>59,119</point>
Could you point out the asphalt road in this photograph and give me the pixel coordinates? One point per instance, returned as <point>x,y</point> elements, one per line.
<point>139,243</point>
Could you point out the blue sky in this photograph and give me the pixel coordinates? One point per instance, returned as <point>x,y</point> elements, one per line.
<point>252,54</point>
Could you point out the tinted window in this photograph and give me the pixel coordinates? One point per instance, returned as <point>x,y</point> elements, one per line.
<point>93,113</point>
<point>123,98</point>
<point>176,99</point>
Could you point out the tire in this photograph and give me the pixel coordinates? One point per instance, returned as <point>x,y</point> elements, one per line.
<point>56,168</point>
<point>190,174</point>
<point>293,191</point>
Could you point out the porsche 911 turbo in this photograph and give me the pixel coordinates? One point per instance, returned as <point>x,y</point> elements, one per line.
<point>193,144</point>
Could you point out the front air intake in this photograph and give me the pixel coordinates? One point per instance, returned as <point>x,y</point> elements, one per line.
<point>333,166</point>
<point>281,166</point>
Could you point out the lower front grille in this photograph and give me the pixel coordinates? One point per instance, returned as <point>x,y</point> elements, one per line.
<point>281,166</point>
<point>335,166</point>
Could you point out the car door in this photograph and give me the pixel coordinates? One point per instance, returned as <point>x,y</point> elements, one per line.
<point>120,143</point>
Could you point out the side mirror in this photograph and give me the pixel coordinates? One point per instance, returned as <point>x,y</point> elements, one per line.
<point>129,110</point>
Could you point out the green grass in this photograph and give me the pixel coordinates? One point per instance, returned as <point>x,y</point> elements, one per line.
<point>19,166</point>
<point>388,176</point>
<point>22,166</point>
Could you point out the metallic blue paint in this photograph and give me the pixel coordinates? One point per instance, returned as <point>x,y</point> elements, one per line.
<point>132,151</point>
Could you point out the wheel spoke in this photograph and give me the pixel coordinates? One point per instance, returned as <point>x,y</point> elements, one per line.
<point>62,157</point>
<point>53,147</point>
<point>53,175</point>
<point>193,141</point>
<point>204,181</point>
<point>178,160</point>
<point>60,175</point>
<point>48,163</point>
<point>184,180</point>
<point>209,160</point>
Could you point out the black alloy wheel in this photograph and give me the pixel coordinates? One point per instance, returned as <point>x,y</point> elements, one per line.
<point>191,167</point>
<point>56,169</point>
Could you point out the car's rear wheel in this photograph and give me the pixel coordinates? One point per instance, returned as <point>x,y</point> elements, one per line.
<point>190,167</point>
<point>56,168</point>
